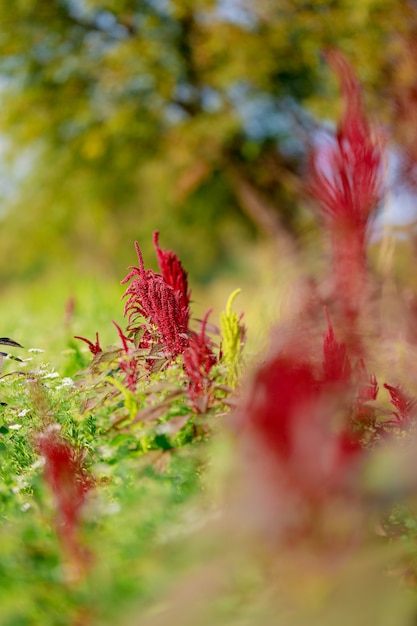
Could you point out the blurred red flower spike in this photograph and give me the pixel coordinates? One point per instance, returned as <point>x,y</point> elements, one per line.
<point>404,404</point>
<point>336,362</point>
<point>349,186</point>
<point>70,485</point>
<point>65,475</point>
<point>300,432</point>
<point>346,181</point>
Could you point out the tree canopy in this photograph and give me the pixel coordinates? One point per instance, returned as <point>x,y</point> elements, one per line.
<point>188,116</point>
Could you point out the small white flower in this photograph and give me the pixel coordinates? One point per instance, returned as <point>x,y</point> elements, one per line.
<point>42,370</point>
<point>68,382</point>
<point>15,426</point>
<point>51,375</point>
<point>21,483</point>
<point>23,412</point>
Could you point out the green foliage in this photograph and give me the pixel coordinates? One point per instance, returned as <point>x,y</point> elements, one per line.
<point>148,451</point>
<point>135,502</point>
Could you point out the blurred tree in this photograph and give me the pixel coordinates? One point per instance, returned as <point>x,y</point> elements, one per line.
<point>122,116</point>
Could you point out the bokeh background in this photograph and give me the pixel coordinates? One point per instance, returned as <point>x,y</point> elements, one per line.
<point>191,117</point>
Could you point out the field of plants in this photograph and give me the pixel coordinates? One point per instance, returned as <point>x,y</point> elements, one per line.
<point>164,464</point>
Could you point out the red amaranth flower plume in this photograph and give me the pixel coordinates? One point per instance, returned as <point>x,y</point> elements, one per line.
<point>70,485</point>
<point>172,271</point>
<point>198,362</point>
<point>336,362</point>
<point>346,182</point>
<point>289,416</point>
<point>348,186</point>
<point>365,413</point>
<point>369,391</point>
<point>404,404</point>
<point>128,363</point>
<point>94,348</point>
<point>163,309</point>
<point>337,368</point>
